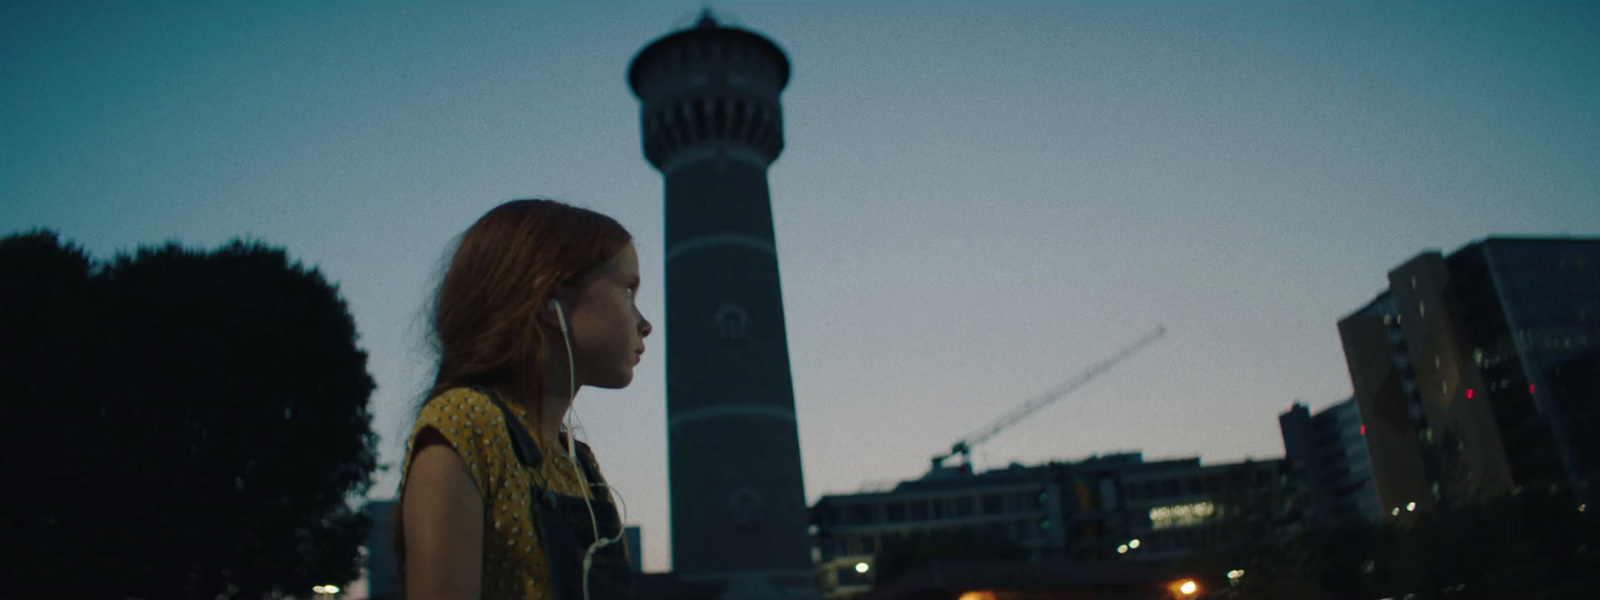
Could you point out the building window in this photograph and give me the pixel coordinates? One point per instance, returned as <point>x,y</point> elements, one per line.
<point>894,512</point>
<point>866,514</point>
<point>732,322</point>
<point>1164,517</point>
<point>938,508</point>
<point>991,504</point>
<point>964,506</point>
<point>919,510</point>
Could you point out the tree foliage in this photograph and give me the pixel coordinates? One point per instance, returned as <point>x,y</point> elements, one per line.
<point>178,423</point>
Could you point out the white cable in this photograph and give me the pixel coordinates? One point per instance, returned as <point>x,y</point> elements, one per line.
<point>572,456</point>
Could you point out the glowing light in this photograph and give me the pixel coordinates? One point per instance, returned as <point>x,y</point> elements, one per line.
<point>330,589</point>
<point>1363,430</point>
<point>1530,388</point>
<point>1469,393</point>
<point>1411,507</point>
<point>862,567</point>
<point>1133,544</point>
<point>1235,574</point>
<point>1185,588</point>
<point>317,589</point>
<point>1395,512</point>
<point>1123,549</point>
<point>979,595</point>
<point>1164,517</point>
<point>1583,507</point>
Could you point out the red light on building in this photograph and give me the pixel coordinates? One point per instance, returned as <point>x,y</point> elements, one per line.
<point>1530,388</point>
<point>1469,393</point>
<point>1363,430</point>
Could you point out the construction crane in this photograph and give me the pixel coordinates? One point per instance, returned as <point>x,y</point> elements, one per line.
<point>964,447</point>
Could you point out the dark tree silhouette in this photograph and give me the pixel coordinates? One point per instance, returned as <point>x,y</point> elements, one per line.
<point>189,424</point>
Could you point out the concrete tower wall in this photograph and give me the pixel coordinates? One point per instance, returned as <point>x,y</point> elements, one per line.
<point>712,125</point>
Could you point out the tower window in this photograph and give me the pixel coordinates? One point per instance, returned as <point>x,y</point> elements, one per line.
<point>732,322</point>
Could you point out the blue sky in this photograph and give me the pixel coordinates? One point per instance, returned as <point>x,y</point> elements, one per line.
<point>976,201</point>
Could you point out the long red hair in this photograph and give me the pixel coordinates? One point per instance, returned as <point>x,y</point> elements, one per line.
<point>486,328</point>
<point>485,315</point>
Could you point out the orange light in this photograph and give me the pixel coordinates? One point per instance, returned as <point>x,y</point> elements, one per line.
<point>978,595</point>
<point>1184,588</point>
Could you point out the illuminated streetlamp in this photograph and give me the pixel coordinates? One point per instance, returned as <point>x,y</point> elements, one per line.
<point>862,567</point>
<point>1123,549</point>
<point>1134,544</point>
<point>1184,588</point>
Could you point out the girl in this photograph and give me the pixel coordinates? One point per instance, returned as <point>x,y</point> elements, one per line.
<point>497,500</point>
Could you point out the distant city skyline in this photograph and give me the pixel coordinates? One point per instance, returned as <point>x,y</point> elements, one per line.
<point>975,202</point>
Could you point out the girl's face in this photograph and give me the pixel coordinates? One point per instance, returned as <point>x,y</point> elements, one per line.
<point>605,325</point>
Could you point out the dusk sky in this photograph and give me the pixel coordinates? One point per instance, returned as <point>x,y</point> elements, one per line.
<point>975,203</point>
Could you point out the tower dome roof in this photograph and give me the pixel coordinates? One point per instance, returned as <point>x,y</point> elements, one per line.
<point>706,29</point>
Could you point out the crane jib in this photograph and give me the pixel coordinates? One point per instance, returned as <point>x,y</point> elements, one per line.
<point>964,447</point>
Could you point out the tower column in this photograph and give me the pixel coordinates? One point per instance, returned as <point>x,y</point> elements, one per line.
<point>712,125</point>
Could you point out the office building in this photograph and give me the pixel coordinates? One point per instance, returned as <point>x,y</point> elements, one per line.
<point>1475,373</point>
<point>1330,468</point>
<point>1106,508</point>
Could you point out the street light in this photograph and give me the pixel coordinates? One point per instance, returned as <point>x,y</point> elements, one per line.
<point>1184,588</point>
<point>1134,544</point>
<point>862,567</point>
<point>1123,549</point>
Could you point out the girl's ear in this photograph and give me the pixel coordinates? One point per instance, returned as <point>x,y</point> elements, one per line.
<point>553,310</point>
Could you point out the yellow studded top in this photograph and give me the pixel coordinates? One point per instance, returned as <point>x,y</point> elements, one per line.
<point>513,560</point>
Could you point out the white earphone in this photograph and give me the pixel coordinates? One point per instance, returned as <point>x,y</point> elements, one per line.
<point>572,452</point>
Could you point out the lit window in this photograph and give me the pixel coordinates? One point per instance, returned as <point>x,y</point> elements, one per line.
<point>1181,515</point>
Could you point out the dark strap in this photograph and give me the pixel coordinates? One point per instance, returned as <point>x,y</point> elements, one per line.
<point>563,527</point>
<point>527,451</point>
